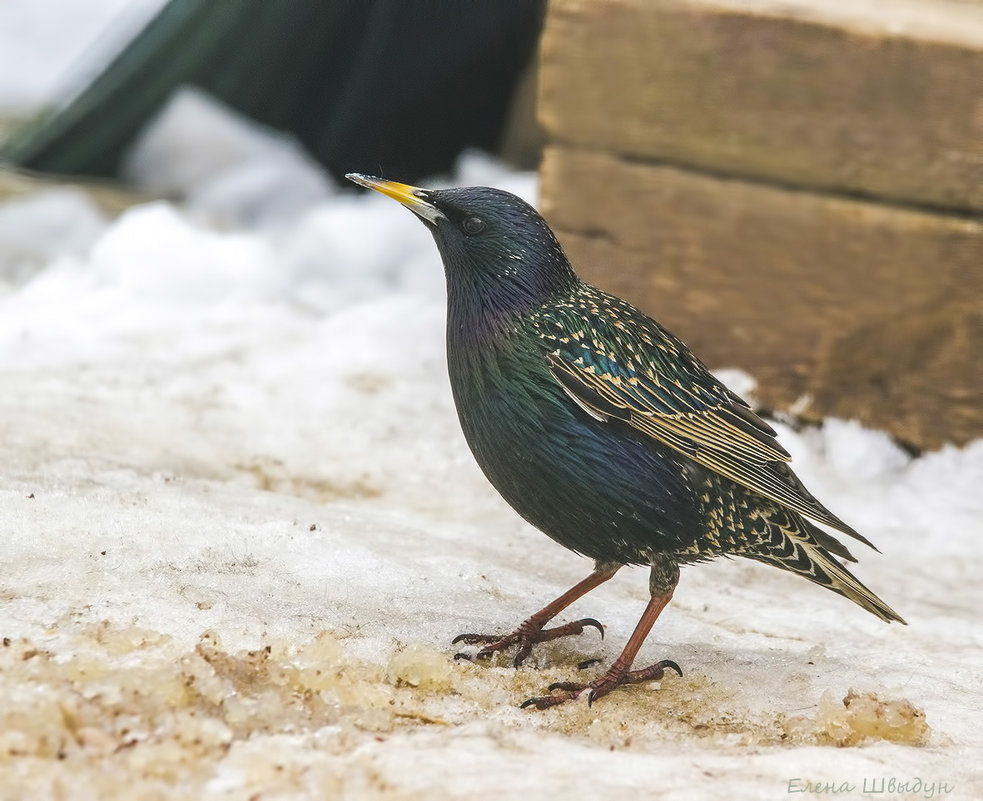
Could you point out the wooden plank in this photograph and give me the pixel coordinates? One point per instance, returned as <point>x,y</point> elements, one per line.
<point>869,311</point>
<point>879,99</point>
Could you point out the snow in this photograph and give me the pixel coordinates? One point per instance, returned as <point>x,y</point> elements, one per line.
<point>50,49</point>
<point>229,169</point>
<point>240,528</point>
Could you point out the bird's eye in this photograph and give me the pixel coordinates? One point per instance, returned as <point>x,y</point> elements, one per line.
<point>472,225</point>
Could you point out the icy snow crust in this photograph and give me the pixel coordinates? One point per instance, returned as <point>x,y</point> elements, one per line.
<point>240,528</point>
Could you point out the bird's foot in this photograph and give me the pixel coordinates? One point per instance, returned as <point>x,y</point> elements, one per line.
<point>525,637</point>
<point>615,677</point>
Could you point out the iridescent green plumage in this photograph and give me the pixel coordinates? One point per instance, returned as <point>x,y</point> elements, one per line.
<point>619,363</point>
<point>603,430</point>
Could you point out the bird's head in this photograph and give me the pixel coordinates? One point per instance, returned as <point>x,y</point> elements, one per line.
<point>498,252</point>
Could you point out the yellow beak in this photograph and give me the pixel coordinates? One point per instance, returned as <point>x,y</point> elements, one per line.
<point>414,198</point>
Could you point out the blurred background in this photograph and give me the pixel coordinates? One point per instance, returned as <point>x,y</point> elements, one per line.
<point>795,187</point>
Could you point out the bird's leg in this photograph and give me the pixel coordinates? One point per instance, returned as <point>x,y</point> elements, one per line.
<point>531,631</point>
<point>619,673</point>
<point>662,583</point>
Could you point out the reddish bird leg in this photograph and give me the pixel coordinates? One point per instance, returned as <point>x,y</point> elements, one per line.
<point>531,631</point>
<point>662,583</point>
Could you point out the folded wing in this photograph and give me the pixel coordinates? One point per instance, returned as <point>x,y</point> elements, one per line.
<point>650,381</point>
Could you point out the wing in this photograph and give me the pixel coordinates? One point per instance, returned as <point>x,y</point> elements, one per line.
<point>645,377</point>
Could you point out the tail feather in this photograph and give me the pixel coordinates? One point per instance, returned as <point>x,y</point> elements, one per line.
<point>836,577</point>
<point>803,552</point>
<point>829,543</point>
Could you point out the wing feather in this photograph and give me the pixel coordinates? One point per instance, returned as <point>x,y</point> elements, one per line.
<point>687,409</point>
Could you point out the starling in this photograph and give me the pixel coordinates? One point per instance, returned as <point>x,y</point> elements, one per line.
<point>604,431</point>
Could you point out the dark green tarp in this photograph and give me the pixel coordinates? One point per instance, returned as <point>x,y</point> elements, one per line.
<point>383,86</point>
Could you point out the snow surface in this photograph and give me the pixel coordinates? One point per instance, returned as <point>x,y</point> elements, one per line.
<point>240,528</point>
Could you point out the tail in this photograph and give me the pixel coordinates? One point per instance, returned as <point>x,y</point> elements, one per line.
<point>801,550</point>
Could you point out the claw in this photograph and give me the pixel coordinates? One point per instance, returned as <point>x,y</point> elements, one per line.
<point>568,629</point>
<point>531,630</point>
<point>566,686</point>
<point>587,663</point>
<point>526,636</point>
<point>599,687</point>
<point>652,672</point>
<point>545,701</point>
